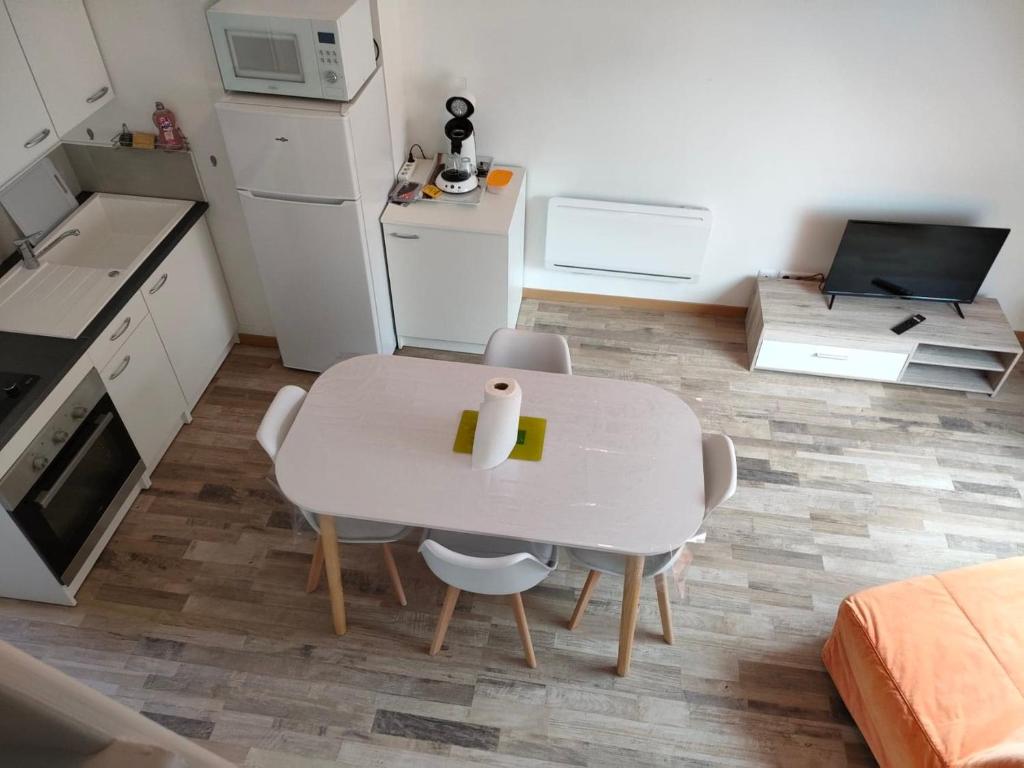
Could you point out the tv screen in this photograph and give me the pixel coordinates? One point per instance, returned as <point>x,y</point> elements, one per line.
<point>937,262</point>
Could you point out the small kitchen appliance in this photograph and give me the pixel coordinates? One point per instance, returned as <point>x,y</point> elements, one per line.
<point>318,49</point>
<point>459,173</point>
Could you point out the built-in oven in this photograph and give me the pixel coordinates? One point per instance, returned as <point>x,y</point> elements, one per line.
<point>66,488</point>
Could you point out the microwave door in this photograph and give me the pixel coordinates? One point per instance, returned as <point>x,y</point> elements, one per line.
<point>265,55</point>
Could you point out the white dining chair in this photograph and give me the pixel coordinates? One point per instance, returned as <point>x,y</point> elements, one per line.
<point>719,484</point>
<point>486,565</point>
<point>529,350</point>
<point>271,434</point>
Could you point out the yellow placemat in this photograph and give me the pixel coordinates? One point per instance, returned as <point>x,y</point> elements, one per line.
<point>529,443</point>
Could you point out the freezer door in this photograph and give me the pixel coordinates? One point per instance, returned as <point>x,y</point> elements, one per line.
<point>287,151</point>
<point>312,259</point>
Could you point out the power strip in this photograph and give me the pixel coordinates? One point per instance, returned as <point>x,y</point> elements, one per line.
<point>406,171</point>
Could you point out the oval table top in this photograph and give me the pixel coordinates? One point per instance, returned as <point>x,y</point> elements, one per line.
<point>621,469</point>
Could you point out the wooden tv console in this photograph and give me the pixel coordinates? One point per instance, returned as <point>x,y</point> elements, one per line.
<point>790,328</point>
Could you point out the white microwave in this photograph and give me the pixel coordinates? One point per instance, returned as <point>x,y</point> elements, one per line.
<point>317,49</point>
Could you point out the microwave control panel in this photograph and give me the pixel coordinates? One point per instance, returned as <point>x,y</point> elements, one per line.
<point>328,56</point>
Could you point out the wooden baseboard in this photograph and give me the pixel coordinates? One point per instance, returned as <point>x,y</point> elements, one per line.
<point>255,340</point>
<point>631,302</point>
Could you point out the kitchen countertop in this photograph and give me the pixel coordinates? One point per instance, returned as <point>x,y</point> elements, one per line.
<point>492,216</point>
<point>50,358</point>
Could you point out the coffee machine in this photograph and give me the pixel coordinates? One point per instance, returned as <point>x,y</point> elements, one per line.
<point>459,173</point>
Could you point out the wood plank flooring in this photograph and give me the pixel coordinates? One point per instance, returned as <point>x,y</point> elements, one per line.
<point>196,614</point>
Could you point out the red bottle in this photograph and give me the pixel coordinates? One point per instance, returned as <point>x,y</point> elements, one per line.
<point>168,134</point>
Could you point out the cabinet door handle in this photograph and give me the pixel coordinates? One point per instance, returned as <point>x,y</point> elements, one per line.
<point>121,329</point>
<point>825,356</point>
<point>98,95</point>
<point>121,367</point>
<point>159,284</point>
<point>41,136</point>
<point>400,236</point>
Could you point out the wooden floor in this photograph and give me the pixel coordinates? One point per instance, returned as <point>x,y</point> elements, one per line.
<point>196,613</point>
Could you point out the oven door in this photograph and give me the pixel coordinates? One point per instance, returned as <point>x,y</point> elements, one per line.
<point>264,54</point>
<point>73,502</point>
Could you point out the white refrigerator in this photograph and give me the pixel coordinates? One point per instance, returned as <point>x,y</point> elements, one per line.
<point>313,178</point>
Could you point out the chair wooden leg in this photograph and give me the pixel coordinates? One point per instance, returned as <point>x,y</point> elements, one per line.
<point>396,580</point>
<point>451,596</point>
<point>665,606</point>
<point>316,568</point>
<point>584,601</point>
<point>524,630</point>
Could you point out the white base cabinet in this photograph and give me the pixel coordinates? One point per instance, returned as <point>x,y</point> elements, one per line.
<point>456,270</point>
<point>447,286</point>
<point>142,385</point>
<point>162,349</point>
<point>190,307</point>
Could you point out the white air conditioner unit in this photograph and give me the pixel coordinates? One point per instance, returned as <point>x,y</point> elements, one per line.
<point>653,242</point>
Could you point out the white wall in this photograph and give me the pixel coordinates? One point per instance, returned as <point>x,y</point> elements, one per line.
<point>785,118</point>
<point>161,50</point>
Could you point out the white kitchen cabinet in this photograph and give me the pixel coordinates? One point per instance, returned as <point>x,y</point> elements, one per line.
<point>26,132</point>
<point>456,270</point>
<point>190,307</point>
<point>58,41</point>
<point>142,385</point>
<point>105,346</point>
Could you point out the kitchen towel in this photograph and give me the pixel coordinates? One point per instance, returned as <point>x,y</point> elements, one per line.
<point>497,426</point>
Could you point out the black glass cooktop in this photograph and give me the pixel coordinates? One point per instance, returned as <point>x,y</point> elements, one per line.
<point>13,387</point>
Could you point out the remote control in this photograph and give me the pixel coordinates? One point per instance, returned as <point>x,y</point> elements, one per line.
<point>907,324</point>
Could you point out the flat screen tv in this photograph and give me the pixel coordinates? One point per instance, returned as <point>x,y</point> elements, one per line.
<point>934,262</point>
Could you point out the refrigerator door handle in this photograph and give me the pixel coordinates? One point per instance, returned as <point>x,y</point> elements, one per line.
<point>302,199</point>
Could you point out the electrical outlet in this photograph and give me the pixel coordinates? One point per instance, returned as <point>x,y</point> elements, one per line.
<point>769,273</point>
<point>406,171</point>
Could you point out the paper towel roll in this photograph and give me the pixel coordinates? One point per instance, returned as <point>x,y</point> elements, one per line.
<point>497,426</point>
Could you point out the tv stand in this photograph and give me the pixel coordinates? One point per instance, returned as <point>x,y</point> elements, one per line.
<point>790,329</point>
<point>956,306</point>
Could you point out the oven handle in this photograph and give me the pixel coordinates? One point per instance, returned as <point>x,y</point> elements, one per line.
<point>45,499</point>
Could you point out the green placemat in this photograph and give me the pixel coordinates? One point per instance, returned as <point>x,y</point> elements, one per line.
<point>529,443</point>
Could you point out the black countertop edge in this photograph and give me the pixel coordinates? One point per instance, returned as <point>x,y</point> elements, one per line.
<point>51,358</point>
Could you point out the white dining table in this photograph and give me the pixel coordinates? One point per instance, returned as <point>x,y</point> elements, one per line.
<point>621,471</point>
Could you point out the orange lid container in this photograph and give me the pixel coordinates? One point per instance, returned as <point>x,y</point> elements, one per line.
<point>499,177</point>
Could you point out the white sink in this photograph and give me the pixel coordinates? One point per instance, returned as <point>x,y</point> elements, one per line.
<point>80,274</point>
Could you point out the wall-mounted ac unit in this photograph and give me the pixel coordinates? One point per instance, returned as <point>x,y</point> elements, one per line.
<point>653,242</point>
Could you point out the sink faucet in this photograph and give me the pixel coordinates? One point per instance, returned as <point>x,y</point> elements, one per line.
<point>30,256</point>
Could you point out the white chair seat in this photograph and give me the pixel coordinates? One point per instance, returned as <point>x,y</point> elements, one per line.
<point>353,531</point>
<point>490,546</point>
<point>609,562</point>
<point>529,350</point>
<point>487,565</point>
<point>719,485</point>
<point>271,434</point>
